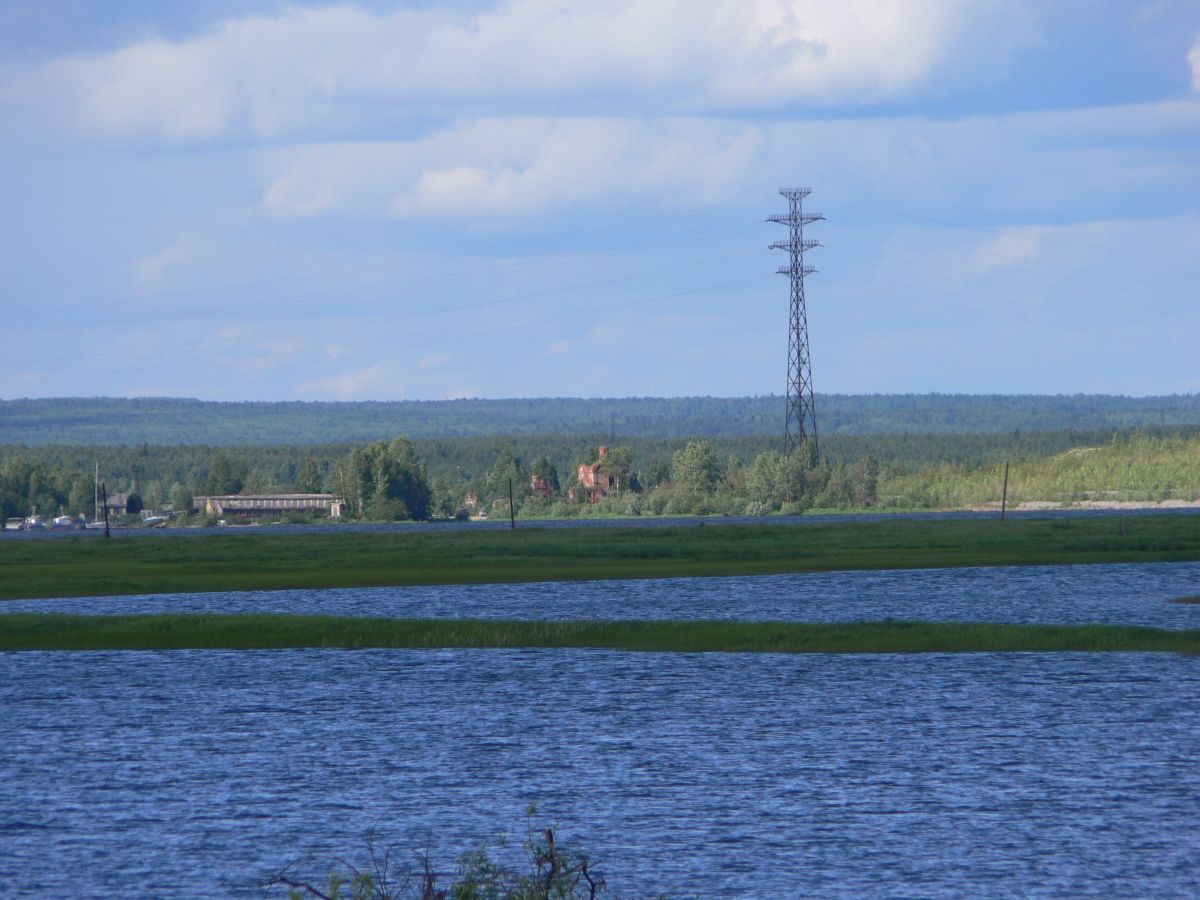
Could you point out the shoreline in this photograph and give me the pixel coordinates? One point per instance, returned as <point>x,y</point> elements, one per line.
<point>260,631</point>
<point>1047,505</point>
<point>275,560</point>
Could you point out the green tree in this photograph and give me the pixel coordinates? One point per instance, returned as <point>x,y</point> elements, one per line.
<point>761,479</point>
<point>838,492</point>
<point>444,499</point>
<point>308,479</point>
<point>181,499</point>
<point>618,462</point>
<point>82,498</point>
<point>547,471</point>
<point>153,495</point>
<point>221,478</point>
<point>387,481</point>
<point>694,469</point>
<point>866,481</point>
<point>508,466</point>
<point>734,480</point>
<point>256,482</point>
<point>794,479</point>
<point>658,473</point>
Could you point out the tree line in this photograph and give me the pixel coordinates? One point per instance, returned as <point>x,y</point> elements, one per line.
<point>166,421</point>
<point>402,478</point>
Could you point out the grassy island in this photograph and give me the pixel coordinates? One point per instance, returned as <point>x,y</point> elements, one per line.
<point>255,631</point>
<point>89,565</point>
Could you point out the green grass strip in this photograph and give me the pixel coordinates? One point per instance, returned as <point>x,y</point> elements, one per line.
<point>28,631</point>
<point>89,565</point>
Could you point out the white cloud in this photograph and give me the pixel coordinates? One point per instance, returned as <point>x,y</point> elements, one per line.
<point>1194,59</point>
<point>1008,248</point>
<point>340,66</point>
<point>522,166</point>
<point>152,273</point>
<point>364,382</point>
<point>991,166</point>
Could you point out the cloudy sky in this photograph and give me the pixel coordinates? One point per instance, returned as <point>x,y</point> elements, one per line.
<point>249,199</point>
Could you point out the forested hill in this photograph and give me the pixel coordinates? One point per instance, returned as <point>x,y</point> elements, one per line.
<point>182,421</point>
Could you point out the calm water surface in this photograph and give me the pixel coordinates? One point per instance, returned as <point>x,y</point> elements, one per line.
<point>194,773</point>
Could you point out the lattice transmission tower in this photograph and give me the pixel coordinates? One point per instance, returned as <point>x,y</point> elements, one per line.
<point>800,423</point>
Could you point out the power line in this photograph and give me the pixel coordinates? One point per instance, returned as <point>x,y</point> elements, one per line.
<point>1189,263</point>
<point>441,309</point>
<point>524,243</point>
<point>800,419</point>
<point>445,335</point>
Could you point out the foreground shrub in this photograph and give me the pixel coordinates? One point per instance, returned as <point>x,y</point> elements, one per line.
<point>553,874</point>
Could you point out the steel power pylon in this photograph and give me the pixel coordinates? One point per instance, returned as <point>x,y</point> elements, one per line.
<point>800,424</point>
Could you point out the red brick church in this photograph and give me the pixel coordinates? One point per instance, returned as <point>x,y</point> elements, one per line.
<point>595,482</point>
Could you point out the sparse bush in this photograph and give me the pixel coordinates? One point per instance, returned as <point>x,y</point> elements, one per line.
<point>554,873</point>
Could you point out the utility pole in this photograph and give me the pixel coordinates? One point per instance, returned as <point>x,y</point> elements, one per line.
<point>512,515</point>
<point>800,422</point>
<point>1004,493</point>
<point>104,493</point>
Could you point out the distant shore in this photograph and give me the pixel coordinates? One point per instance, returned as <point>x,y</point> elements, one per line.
<point>1043,505</point>
<point>253,559</point>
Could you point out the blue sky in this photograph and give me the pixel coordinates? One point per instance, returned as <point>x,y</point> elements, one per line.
<point>257,200</point>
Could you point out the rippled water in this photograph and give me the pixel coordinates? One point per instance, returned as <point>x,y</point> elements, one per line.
<point>195,773</point>
<point>1117,594</point>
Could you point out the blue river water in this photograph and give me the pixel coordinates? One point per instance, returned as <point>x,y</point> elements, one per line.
<point>198,773</point>
<point>1119,594</point>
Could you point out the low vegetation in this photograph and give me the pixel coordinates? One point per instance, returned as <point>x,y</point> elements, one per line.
<point>1128,467</point>
<point>550,872</point>
<point>257,631</point>
<point>247,559</point>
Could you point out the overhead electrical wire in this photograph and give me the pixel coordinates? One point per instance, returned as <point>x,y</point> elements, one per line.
<point>919,295</point>
<point>325,327</point>
<point>994,312</point>
<point>342,293</point>
<point>1189,262</point>
<point>1007,282</point>
<point>1005,266</point>
<point>456,333</point>
<point>407,262</point>
<point>1008,287</point>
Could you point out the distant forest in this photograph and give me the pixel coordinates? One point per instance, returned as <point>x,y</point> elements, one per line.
<point>413,459</point>
<point>913,470</point>
<point>168,421</point>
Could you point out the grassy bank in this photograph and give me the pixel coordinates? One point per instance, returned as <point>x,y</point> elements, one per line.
<point>89,565</point>
<point>261,631</point>
<point>1129,467</point>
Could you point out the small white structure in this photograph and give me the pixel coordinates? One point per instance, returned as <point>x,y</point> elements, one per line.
<point>257,505</point>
